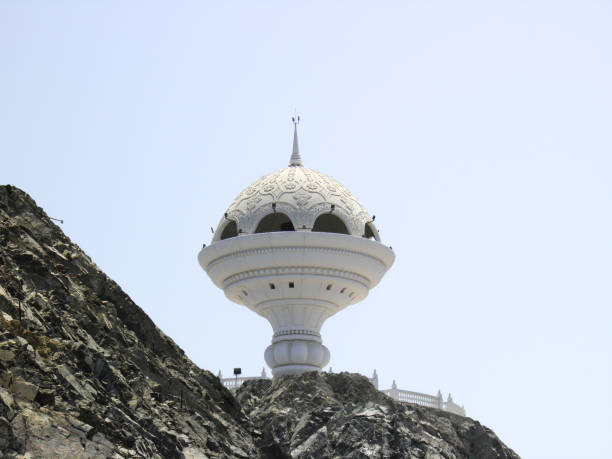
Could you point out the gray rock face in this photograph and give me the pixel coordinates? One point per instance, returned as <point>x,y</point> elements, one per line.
<point>85,373</point>
<point>343,416</point>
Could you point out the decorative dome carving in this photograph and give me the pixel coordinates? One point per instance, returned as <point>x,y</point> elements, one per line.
<point>302,194</point>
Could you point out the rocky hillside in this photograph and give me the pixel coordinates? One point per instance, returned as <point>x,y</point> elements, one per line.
<point>344,416</point>
<point>85,373</point>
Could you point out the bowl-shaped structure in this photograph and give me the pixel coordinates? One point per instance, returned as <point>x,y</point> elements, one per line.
<point>296,280</point>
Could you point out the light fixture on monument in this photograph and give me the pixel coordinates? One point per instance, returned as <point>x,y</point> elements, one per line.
<point>296,247</point>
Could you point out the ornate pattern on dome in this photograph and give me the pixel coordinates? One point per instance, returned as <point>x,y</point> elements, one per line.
<point>302,194</point>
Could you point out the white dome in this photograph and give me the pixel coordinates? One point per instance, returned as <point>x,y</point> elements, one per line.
<point>303,195</point>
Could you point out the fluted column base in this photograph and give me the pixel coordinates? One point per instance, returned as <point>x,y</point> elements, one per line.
<point>287,355</point>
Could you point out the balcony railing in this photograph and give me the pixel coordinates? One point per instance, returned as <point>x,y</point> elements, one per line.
<point>402,396</point>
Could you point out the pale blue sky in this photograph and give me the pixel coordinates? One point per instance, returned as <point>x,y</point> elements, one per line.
<point>477,132</point>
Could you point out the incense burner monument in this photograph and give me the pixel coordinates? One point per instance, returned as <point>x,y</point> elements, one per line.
<point>296,247</point>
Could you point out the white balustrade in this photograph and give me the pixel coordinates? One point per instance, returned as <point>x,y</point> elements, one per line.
<point>402,396</point>
<point>235,383</point>
<point>418,398</point>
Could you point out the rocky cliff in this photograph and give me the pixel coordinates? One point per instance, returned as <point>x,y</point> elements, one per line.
<point>85,373</point>
<point>344,416</point>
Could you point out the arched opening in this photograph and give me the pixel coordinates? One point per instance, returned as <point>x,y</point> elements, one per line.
<point>230,230</point>
<point>274,222</point>
<point>370,231</point>
<point>329,223</point>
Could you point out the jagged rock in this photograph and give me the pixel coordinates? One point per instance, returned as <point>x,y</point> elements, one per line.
<point>6,434</point>
<point>6,356</point>
<point>79,360</point>
<point>342,415</point>
<point>84,390</point>
<point>23,389</point>
<point>5,378</point>
<point>84,372</point>
<point>6,404</point>
<point>40,433</point>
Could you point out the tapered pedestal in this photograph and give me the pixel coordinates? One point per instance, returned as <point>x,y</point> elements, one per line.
<point>296,280</point>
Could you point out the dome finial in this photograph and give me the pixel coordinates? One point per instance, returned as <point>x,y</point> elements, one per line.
<point>296,159</point>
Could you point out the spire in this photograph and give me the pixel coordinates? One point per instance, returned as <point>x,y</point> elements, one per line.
<point>296,159</point>
<point>375,379</point>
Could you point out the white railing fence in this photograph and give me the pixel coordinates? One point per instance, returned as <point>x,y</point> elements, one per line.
<point>418,398</point>
<point>235,382</point>
<point>403,396</point>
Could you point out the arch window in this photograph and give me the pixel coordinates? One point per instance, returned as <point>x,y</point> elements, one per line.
<point>329,223</point>
<point>230,230</point>
<point>371,231</point>
<point>274,222</point>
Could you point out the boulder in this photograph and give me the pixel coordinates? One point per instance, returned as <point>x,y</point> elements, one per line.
<point>7,356</point>
<point>23,389</point>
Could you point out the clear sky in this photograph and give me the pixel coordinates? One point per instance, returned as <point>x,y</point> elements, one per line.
<point>477,132</point>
